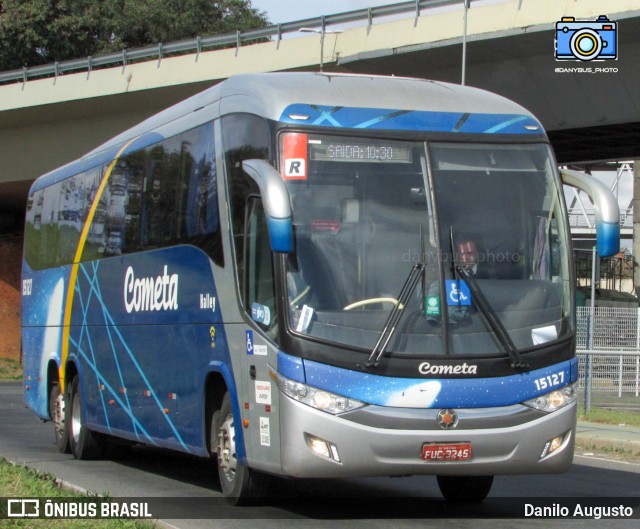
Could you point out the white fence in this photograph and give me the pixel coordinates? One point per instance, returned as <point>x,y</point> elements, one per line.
<point>612,373</point>
<point>609,356</point>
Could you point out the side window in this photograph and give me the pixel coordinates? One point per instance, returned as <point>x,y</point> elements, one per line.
<point>198,219</point>
<point>114,229</point>
<point>245,136</point>
<point>133,201</point>
<point>70,218</point>
<point>96,241</point>
<point>259,281</point>
<point>54,222</point>
<point>49,226</point>
<point>162,195</point>
<point>158,196</point>
<point>163,174</point>
<point>115,196</point>
<point>33,229</point>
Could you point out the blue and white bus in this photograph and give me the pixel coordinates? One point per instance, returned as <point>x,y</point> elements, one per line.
<point>313,275</point>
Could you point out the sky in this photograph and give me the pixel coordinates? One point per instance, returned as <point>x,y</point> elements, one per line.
<point>279,11</point>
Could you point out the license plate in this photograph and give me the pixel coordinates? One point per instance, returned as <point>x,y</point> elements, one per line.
<point>446,452</point>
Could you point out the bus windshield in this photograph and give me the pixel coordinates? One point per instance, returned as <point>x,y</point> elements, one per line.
<point>366,211</point>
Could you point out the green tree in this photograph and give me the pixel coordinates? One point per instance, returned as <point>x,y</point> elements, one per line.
<point>34,32</point>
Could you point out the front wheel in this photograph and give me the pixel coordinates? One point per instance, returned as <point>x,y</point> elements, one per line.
<point>240,484</point>
<point>467,489</point>
<point>85,444</point>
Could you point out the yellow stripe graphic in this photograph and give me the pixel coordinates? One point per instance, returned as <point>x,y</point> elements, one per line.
<point>76,263</point>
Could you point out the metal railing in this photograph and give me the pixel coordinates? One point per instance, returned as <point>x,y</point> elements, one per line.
<point>237,39</point>
<point>612,373</point>
<point>608,344</point>
<point>614,329</point>
<point>587,218</point>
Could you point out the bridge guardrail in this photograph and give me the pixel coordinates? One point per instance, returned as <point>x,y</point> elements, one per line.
<point>238,38</point>
<point>586,219</point>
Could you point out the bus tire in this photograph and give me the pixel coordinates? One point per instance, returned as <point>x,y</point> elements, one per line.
<point>466,489</point>
<point>57,412</point>
<point>240,484</point>
<point>85,444</point>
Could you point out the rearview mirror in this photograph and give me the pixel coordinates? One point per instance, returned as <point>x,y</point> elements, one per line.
<point>276,202</point>
<point>606,208</point>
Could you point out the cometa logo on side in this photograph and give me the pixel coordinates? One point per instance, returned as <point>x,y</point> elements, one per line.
<point>148,294</point>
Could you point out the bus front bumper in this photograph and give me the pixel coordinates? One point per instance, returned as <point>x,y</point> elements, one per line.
<point>320,445</point>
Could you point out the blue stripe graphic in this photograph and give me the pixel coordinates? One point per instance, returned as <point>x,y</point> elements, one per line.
<point>417,120</point>
<point>430,392</point>
<point>112,329</point>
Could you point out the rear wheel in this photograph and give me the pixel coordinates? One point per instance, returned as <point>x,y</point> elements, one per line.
<point>85,444</point>
<point>468,489</point>
<point>239,483</point>
<point>57,409</point>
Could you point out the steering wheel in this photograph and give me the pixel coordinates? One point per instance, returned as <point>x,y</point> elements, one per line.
<point>371,301</point>
<point>300,296</point>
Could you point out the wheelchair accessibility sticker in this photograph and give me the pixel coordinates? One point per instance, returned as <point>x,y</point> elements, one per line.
<point>458,292</point>
<point>249,342</point>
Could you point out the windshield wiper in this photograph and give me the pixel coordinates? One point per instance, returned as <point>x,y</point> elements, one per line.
<point>417,271</point>
<point>480,301</point>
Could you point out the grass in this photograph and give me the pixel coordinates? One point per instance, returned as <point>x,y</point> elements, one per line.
<point>10,369</point>
<point>608,416</point>
<point>22,482</point>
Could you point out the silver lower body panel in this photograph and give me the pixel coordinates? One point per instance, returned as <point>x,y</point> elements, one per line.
<point>370,451</point>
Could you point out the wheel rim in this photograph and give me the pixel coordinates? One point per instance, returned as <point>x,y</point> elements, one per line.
<point>227,458</point>
<point>57,414</point>
<point>76,419</point>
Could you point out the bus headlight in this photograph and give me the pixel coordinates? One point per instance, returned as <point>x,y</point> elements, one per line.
<point>555,400</point>
<point>316,398</point>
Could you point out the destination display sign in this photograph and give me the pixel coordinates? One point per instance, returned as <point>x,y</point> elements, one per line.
<point>359,150</point>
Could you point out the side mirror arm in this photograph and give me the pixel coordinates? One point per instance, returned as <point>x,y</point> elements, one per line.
<point>606,208</point>
<point>276,202</point>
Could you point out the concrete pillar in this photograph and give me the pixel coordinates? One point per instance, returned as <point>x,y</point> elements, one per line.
<point>636,227</point>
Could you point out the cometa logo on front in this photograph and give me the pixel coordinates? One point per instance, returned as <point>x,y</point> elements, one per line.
<point>148,294</point>
<point>426,368</point>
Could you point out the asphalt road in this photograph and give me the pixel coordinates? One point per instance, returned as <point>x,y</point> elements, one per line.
<point>184,491</point>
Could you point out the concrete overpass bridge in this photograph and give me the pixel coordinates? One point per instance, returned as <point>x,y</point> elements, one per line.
<point>51,115</point>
